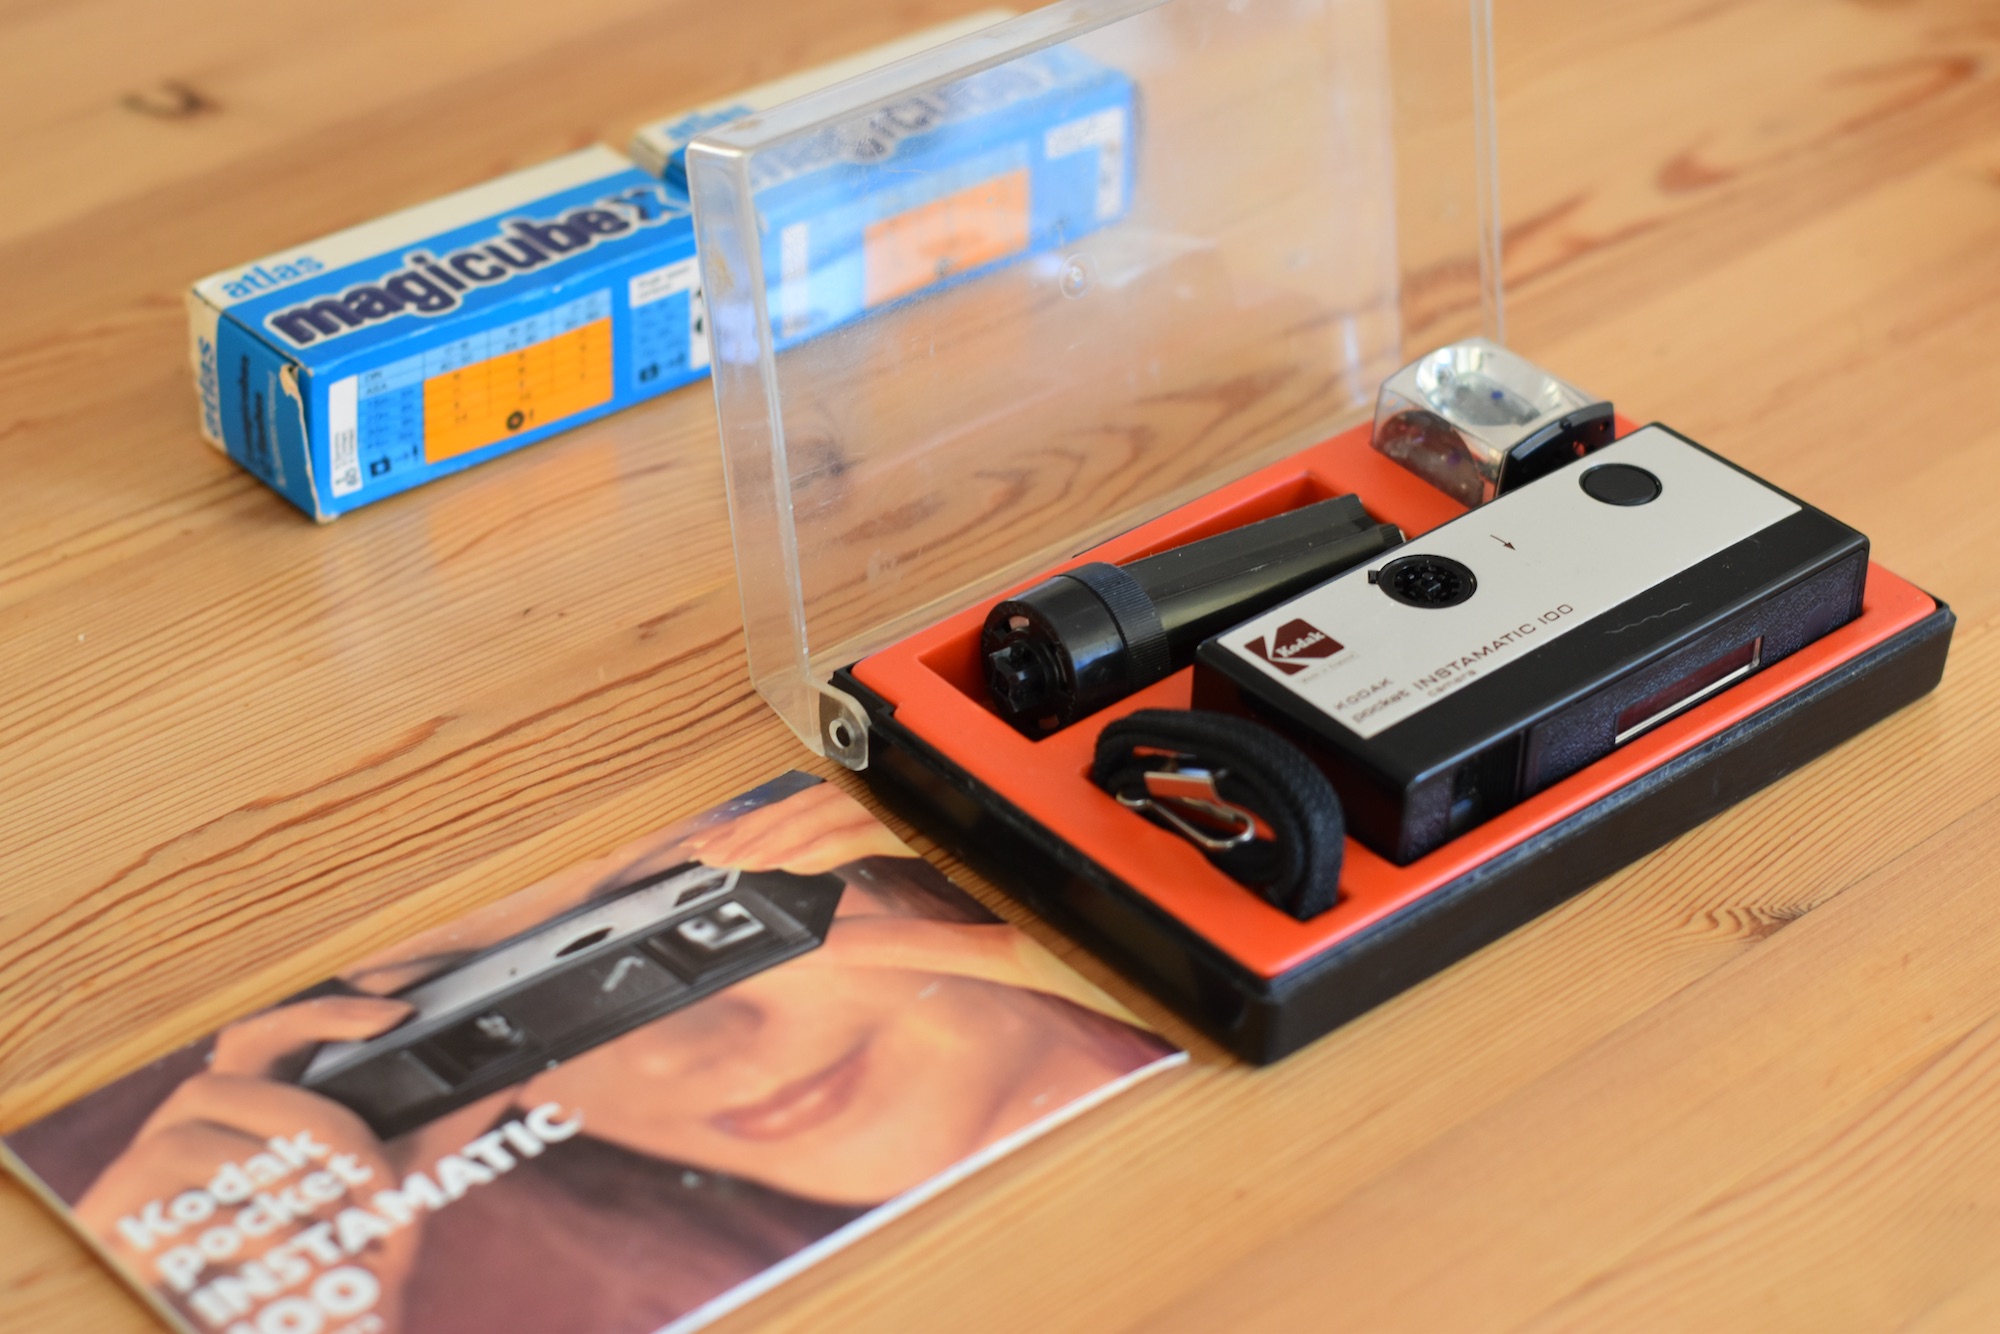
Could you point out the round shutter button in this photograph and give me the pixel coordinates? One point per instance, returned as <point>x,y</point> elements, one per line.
<point>1620,484</point>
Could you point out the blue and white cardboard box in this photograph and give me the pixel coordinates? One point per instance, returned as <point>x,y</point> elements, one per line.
<point>1011,161</point>
<point>375,359</point>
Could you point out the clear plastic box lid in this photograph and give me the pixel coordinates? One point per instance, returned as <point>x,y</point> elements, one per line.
<point>987,306</point>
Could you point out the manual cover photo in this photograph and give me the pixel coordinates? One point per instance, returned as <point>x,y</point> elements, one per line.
<point>623,1100</point>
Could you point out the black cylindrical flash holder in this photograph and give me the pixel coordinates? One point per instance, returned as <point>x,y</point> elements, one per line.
<point>1090,636</point>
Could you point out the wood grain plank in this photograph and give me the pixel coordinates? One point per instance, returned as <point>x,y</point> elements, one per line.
<point>1713,127</point>
<point>1968,1310</point>
<point>1877,1001</point>
<point>1883,1213</point>
<point>1770,222</point>
<point>166,99</point>
<point>51,1283</point>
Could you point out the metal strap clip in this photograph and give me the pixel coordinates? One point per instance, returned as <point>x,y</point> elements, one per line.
<point>1175,787</point>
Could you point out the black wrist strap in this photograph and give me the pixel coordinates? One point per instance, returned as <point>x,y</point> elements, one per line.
<point>1205,775</point>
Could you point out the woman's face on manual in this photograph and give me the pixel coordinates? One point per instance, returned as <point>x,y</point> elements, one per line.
<point>825,1077</point>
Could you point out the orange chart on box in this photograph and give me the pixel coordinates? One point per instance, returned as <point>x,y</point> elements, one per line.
<point>959,232</point>
<point>487,401</point>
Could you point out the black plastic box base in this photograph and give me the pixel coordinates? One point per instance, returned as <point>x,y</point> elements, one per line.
<point>1262,1019</point>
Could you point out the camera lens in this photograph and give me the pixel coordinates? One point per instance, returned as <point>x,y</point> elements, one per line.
<point>1426,581</point>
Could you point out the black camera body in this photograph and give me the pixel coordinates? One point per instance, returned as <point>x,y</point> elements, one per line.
<point>1510,647</point>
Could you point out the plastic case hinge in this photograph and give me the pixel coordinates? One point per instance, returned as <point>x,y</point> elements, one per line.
<point>843,728</point>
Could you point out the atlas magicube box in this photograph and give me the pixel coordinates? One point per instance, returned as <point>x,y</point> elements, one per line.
<point>375,359</point>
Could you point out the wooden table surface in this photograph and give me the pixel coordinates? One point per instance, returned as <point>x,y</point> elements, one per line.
<point>1753,1081</point>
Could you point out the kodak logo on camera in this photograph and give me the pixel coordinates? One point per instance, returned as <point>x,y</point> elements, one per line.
<point>370,361</point>
<point>1513,645</point>
<point>1293,646</point>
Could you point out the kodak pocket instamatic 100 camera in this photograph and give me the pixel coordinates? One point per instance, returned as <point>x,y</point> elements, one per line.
<point>1519,642</point>
<point>573,983</point>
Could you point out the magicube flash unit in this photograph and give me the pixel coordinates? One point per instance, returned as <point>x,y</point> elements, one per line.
<point>571,984</point>
<point>1512,646</point>
<point>1475,420</point>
